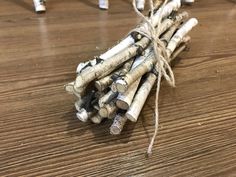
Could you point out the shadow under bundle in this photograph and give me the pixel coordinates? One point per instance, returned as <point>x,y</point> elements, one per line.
<point>116,84</point>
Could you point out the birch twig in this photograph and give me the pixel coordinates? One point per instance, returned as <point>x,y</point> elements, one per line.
<point>107,98</point>
<point>103,83</point>
<point>108,110</point>
<point>125,99</point>
<point>97,119</point>
<point>118,124</point>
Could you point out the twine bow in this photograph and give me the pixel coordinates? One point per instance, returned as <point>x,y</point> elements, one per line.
<point>163,68</point>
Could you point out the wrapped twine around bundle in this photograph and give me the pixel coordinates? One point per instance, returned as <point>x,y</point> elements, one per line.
<point>116,84</point>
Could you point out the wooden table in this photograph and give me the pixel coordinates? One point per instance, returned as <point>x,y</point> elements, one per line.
<point>39,133</point>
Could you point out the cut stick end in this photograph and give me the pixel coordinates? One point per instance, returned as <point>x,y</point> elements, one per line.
<point>114,130</point>
<point>69,88</point>
<point>103,112</point>
<point>113,87</point>
<point>98,85</point>
<point>78,91</point>
<point>184,15</point>
<point>139,36</point>
<point>82,115</point>
<point>122,105</point>
<point>78,83</point>
<point>121,86</point>
<point>97,119</point>
<point>195,21</point>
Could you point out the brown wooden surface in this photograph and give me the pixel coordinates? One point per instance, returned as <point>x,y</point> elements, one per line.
<point>39,133</point>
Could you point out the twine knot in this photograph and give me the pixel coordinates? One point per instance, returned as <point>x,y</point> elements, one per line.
<point>162,67</point>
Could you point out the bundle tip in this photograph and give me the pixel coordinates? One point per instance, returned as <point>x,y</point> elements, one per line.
<point>114,130</point>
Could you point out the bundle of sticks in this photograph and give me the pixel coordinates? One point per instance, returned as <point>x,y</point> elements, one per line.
<point>116,84</point>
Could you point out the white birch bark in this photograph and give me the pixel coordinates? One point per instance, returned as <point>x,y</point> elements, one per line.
<point>140,98</point>
<point>177,38</point>
<point>173,5</point>
<point>122,45</point>
<point>181,48</point>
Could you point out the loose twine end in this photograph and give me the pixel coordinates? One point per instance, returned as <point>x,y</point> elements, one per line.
<point>162,59</point>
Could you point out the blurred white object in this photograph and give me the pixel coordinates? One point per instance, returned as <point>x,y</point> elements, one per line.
<point>140,4</point>
<point>104,4</point>
<point>188,1</point>
<point>40,6</point>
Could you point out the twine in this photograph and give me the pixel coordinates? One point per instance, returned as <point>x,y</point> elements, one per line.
<point>163,68</point>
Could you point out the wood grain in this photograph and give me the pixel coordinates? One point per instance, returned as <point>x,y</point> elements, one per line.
<point>39,134</point>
